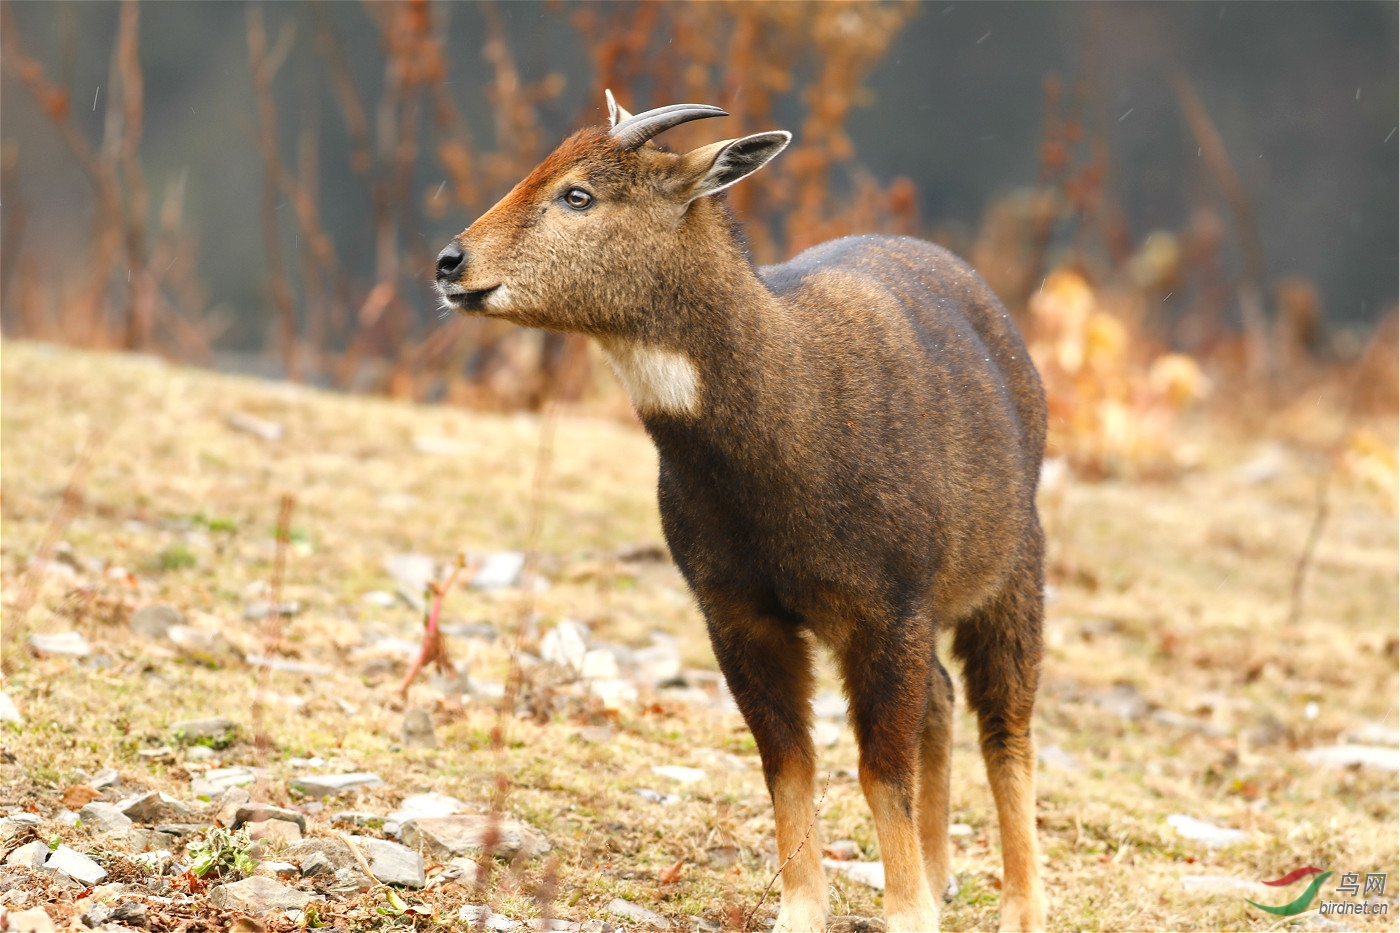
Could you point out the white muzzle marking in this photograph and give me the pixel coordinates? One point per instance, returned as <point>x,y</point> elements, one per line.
<point>658,381</point>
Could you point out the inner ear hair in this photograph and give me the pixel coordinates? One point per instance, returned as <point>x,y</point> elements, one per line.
<point>721,164</point>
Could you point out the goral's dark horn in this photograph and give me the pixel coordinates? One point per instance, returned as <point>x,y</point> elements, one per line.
<point>634,131</point>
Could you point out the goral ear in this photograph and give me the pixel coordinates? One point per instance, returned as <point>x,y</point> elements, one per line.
<point>616,112</point>
<point>711,169</point>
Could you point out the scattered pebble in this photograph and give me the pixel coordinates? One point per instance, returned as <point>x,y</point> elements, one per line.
<point>392,863</point>
<point>1222,884</point>
<point>599,664</point>
<point>252,424</point>
<point>327,785</point>
<point>871,874</point>
<point>107,777</point>
<point>1341,756</point>
<point>1122,700</point>
<point>636,913</point>
<point>105,818</point>
<point>287,666</point>
<point>826,733</point>
<point>418,729</point>
<point>959,829</point>
<point>29,855</point>
<point>316,864</point>
<point>843,850</point>
<point>156,621</point>
<point>33,920</point>
<point>215,727</point>
<point>212,783</point>
<point>613,693</point>
<point>829,705</point>
<point>68,644</point>
<point>680,773</point>
<point>75,864</point>
<point>258,893</point>
<point>381,598</point>
<point>262,812</point>
<point>1369,734</point>
<point>8,711</point>
<point>1057,757</point>
<point>655,796</point>
<point>446,836</point>
<point>198,753</point>
<point>1212,835</point>
<point>426,805</point>
<point>566,645</point>
<point>499,570</point>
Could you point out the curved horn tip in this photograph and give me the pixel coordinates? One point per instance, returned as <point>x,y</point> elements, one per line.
<point>637,130</point>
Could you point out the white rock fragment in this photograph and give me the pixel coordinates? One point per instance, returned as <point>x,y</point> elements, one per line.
<point>566,645</point>
<point>1057,757</point>
<point>8,711</point>
<point>426,805</point>
<point>613,693</point>
<point>499,570</point>
<point>252,424</point>
<point>829,705</point>
<point>959,829</point>
<point>1341,756</point>
<point>29,855</point>
<point>680,773</point>
<point>446,836</point>
<point>257,894</point>
<point>105,818</point>
<point>636,913</point>
<point>599,664</point>
<point>390,862</point>
<point>826,733</point>
<point>871,874</point>
<point>325,785</point>
<point>1213,836</point>
<point>655,796</point>
<point>67,644</point>
<point>214,782</point>
<point>76,864</point>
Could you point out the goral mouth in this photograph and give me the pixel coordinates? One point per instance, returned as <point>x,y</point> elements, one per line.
<point>464,299</point>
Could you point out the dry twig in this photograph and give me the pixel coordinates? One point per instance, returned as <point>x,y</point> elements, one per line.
<point>800,846</point>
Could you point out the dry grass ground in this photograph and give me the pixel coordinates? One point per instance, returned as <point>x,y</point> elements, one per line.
<point>1174,682</point>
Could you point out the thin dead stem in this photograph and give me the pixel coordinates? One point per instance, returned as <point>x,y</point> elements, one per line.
<point>800,846</point>
<point>272,624</point>
<point>434,649</point>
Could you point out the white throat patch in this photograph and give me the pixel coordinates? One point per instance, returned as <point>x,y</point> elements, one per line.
<point>658,381</point>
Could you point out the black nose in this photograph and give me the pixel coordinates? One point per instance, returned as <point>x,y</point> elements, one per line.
<point>451,261</point>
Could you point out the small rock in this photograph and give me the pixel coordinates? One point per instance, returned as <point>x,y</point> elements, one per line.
<point>198,753</point>
<point>418,729</point>
<point>156,621</point>
<point>260,609</point>
<point>75,864</point>
<point>554,924</point>
<point>596,735</point>
<point>151,806</point>
<point>871,874</point>
<point>277,832</point>
<point>1122,700</point>
<point>192,730</point>
<point>152,860</point>
<point>105,818</point>
<point>257,894</point>
<point>679,773</point>
<point>161,753</point>
<point>426,805</point>
<point>613,693</point>
<point>843,850</point>
<point>462,870</point>
<point>326,785</point>
<point>655,796</point>
<point>1221,884</point>
<point>282,870</point>
<point>498,570</point>
<point>107,777</point>
<point>658,664</point>
<point>597,926</point>
<point>182,829</point>
<point>1341,756</point>
<point>34,920</point>
<point>233,800</point>
<point>636,913</point>
<point>1371,734</point>
<point>29,855</point>
<point>213,783</point>
<point>8,711</point>
<point>566,644</point>
<point>68,644</point>
<point>829,705</point>
<point>132,913</point>
<point>1057,757</point>
<point>316,864</point>
<point>599,664</point>
<point>500,923</point>
<point>446,836</point>
<point>412,572</point>
<point>959,829</point>
<point>260,812</point>
<point>95,916</point>
<point>826,734</point>
<point>199,643</point>
<point>392,863</point>
<point>1212,835</point>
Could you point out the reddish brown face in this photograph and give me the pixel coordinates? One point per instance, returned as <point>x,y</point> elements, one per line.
<point>583,242</point>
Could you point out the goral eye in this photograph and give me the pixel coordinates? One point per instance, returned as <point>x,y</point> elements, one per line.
<point>578,199</point>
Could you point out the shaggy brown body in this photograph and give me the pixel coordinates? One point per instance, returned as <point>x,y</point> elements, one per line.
<point>849,447</point>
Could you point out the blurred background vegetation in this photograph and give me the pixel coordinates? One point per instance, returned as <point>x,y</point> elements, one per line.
<point>1177,201</point>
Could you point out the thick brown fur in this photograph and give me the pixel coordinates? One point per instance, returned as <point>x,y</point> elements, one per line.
<point>858,469</point>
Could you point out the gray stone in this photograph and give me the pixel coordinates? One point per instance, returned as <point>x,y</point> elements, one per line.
<point>500,923</point>
<point>498,570</point>
<point>199,643</point>
<point>325,785</point>
<point>257,812</point>
<point>871,874</point>
<point>156,621</point>
<point>636,913</point>
<point>1122,700</point>
<point>29,855</point>
<point>596,926</point>
<point>278,832</point>
<point>316,864</point>
<point>233,800</point>
<point>191,730</point>
<point>349,881</point>
<point>33,920</point>
<point>392,863</point>
<point>257,894</point>
<point>107,777</point>
<point>182,829</point>
<point>554,924</point>
<point>213,783</point>
<point>1057,757</point>
<point>132,913</point>
<point>418,729</point>
<point>105,818</point>
<point>446,836</point>
<point>196,753</point>
<point>843,850</point>
<point>75,864</point>
<point>145,808</point>
<point>566,644</point>
<point>273,869</point>
<point>1341,756</point>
